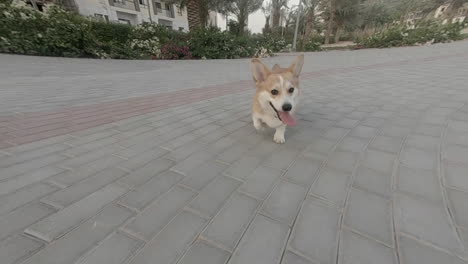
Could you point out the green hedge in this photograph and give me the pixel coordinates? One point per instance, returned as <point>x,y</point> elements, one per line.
<point>60,33</point>
<point>426,32</point>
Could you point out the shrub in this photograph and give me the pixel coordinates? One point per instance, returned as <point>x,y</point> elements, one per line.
<point>313,46</point>
<point>426,32</point>
<point>211,43</point>
<point>59,33</point>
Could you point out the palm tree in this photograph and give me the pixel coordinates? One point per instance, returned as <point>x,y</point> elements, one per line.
<point>276,6</point>
<point>241,9</point>
<point>310,6</point>
<point>204,7</point>
<point>266,10</point>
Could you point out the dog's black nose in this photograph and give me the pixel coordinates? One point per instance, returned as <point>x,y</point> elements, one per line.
<point>287,107</point>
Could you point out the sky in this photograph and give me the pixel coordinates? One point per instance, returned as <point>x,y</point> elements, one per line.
<point>256,20</point>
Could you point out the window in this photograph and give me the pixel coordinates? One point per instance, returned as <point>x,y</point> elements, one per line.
<point>124,21</point>
<point>158,7</point>
<point>180,11</point>
<point>102,17</point>
<point>141,2</point>
<point>181,29</point>
<point>119,1</point>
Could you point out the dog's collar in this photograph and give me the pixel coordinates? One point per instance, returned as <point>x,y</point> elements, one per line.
<point>276,111</point>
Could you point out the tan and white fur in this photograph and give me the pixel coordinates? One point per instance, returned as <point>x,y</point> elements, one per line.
<point>277,96</point>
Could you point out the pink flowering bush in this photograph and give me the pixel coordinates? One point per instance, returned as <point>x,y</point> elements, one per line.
<point>173,51</point>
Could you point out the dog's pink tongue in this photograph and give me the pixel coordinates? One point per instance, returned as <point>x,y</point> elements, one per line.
<point>287,118</point>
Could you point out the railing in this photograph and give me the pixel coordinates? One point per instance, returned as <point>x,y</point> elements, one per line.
<point>170,13</point>
<point>127,4</point>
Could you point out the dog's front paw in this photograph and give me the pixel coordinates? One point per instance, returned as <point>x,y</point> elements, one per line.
<point>279,139</point>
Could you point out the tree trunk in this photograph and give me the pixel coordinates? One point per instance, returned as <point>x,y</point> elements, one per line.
<point>276,19</point>
<point>203,12</point>
<point>330,21</point>
<point>309,26</point>
<point>338,33</point>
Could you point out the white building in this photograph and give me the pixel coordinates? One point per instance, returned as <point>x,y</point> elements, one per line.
<point>136,12</point>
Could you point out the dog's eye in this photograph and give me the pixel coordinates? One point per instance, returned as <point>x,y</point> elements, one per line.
<point>291,90</point>
<point>274,92</point>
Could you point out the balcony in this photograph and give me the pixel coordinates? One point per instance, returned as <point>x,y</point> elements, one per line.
<point>127,4</point>
<point>168,10</point>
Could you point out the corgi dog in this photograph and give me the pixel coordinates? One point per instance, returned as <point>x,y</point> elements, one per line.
<point>277,96</point>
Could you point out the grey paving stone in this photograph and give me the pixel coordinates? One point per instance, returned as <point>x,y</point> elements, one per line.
<point>291,258</point>
<point>455,175</point>
<point>426,221</point>
<point>89,147</point>
<point>192,162</point>
<point>22,217</point>
<point>72,176</point>
<point>204,174</point>
<point>235,152</point>
<point>457,137</point>
<point>423,183</point>
<point>418,159</point>
<point>67,196</point>
<point>379,161</point>
<point>202,253</point>
<point>91,137</point>
<point>388,144</point>
<point>347,123</point>
<point>284,202</point>
<point>315,234</point>
<point>264,241</point>
<point>23,196</point>
<point>395,131</point>
<point>21,181</point>
<point>423,142</point>
<point>335,133</point>
<point>140,197</point>
<point>332,185</point>
<point>145,173</point>
<point>115,249</point>
<point>16,248</point>
<point>36,153</point>
<point>458,201</point>
<point>319,149</point>
<point>370,215</point>
<point>260,183</point>
<point>64,220</point>
<point>89,157</point>
<point>141,154</point>
<point>31,166</point>
<point>363,132</point>
<point>344,161</point>
<point>429,130</point>
<point>38,144</point>
<point>303,171</point>
<point>242,168</point>
<point>355,249</point>
<point>73,245</point>
<point>413,252</point>
<point>457,154</point>
<point>157,215</point>
<point>281,159</point>
<point>373,181</point>
<point>353,144</point>
<point>172,241</point>
<point>233,219</point>
<point>213,196</point>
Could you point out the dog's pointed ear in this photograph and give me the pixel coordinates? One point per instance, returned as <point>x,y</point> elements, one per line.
<point>296,66</point>
<point>260,71</point>
<point>276,67</point>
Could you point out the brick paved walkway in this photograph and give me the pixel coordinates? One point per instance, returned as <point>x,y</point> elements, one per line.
<point>157,162</point>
